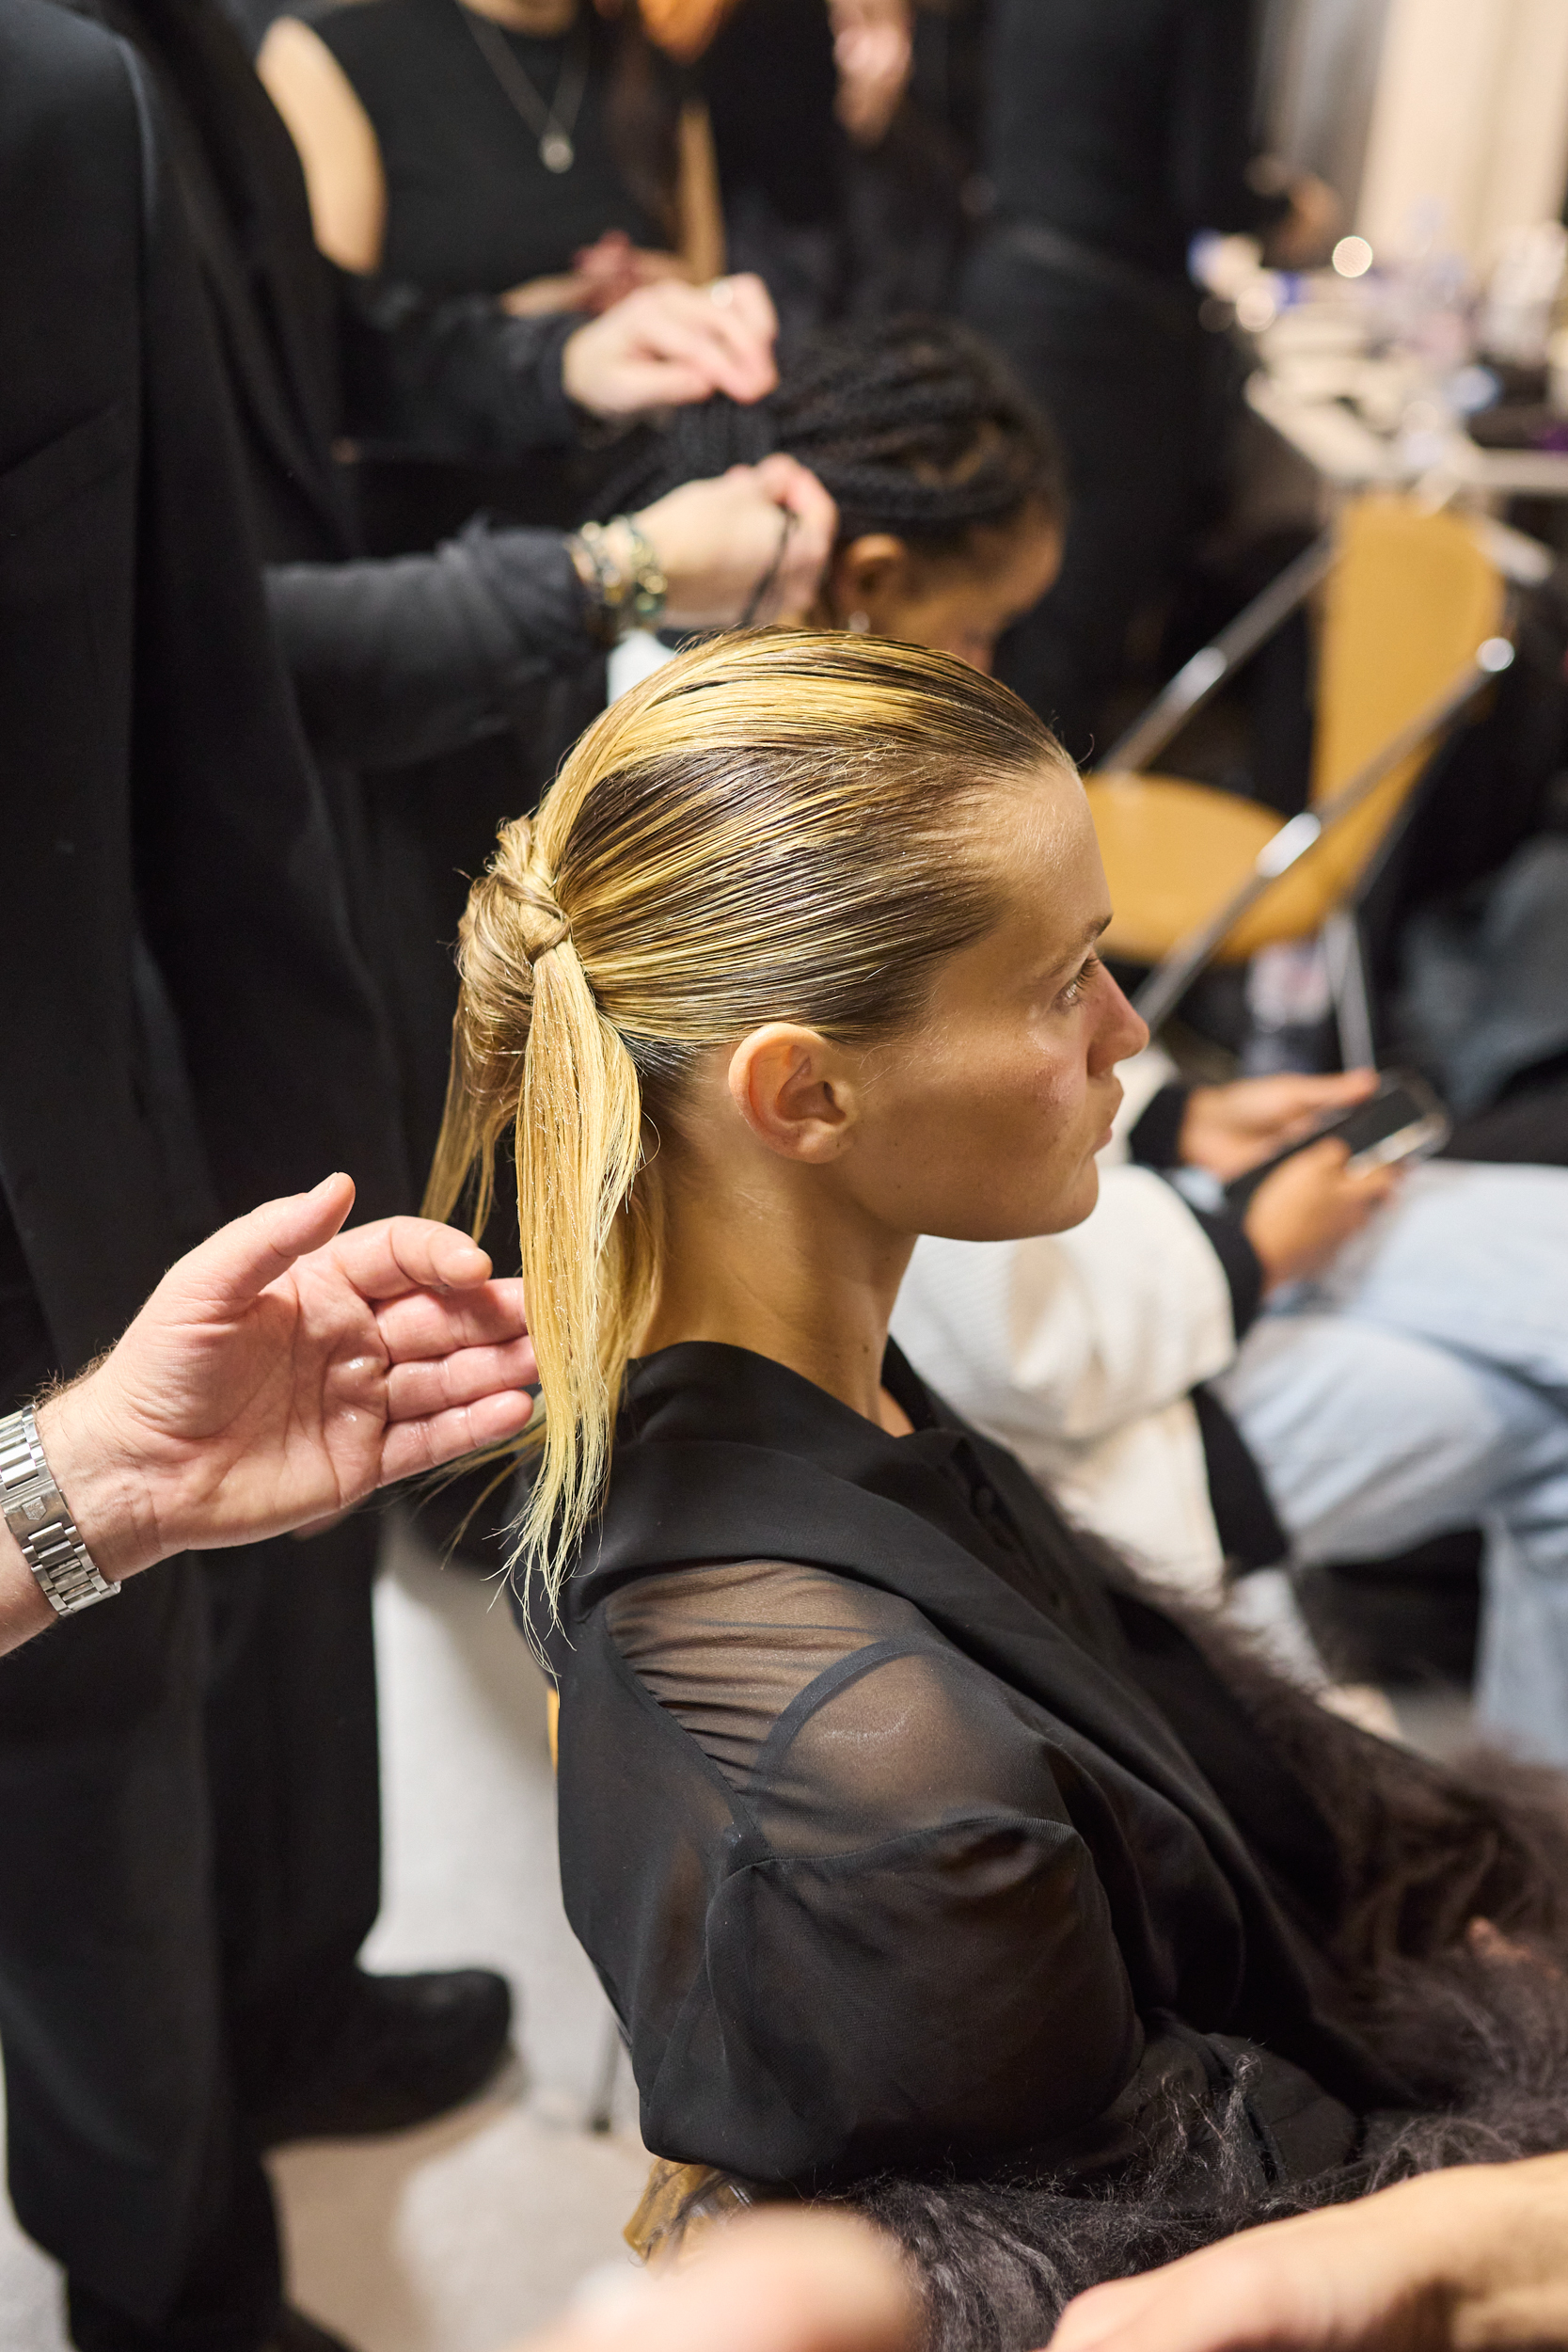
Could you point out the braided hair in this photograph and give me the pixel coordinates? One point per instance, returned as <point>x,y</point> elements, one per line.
<point>915,426</point>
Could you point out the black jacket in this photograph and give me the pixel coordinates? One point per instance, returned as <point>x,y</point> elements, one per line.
<point>187,1027</point>
<point>311,355</point>
<point>448,658</point>
<point>900,1831</point>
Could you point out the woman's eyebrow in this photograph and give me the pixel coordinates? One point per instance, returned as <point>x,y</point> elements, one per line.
<point>1092,933</point>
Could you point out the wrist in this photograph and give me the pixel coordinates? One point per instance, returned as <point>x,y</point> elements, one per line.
<point>577,373</point>
<point>108,1497</point>
<point>621,574</point>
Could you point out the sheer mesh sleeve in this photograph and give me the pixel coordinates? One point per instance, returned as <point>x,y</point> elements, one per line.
<point>909,1949</point>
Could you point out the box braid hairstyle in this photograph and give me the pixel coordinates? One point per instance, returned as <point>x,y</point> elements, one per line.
<point>916,427</point>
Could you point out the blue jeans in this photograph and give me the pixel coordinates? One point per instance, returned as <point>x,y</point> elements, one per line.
<point>1421,1385</point>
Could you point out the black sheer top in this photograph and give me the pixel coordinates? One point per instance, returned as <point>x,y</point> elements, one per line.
<point>899,1832</point>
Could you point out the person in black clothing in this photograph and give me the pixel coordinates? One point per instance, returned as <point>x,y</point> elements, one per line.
<point>1116,130</point>
<point>423,682</point>
<point>542,150</point>
<point>188,1027</point>
<point>929,1861</point>
<point>769,81</point>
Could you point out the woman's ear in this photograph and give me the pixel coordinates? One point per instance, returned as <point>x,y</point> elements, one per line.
<point>870,576</point>
<point>791,1088</point>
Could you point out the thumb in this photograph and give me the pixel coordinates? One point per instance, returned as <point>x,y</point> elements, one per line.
<point>1330,1157</point>
<point>235,1265</point>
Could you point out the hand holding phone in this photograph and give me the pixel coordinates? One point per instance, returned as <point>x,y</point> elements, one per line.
<point>1308,1206</point>
<point>1402,1120</point>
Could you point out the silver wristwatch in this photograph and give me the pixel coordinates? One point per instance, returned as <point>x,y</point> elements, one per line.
<point>39,1518</point>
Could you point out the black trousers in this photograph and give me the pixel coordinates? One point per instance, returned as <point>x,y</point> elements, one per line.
<point>1130,387</point>
<point>189,1861</point>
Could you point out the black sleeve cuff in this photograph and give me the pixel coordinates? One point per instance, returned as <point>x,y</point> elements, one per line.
<point>1243,1269</point>
<point>1155,1140</point>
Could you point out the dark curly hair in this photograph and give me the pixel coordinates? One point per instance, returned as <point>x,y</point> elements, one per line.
<point>916,427</point>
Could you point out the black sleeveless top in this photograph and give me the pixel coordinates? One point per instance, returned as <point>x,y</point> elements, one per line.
<point>470,208</point>
<point>899,1832</point>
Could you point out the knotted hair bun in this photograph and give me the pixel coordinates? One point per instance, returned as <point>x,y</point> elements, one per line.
<point>543,922</point>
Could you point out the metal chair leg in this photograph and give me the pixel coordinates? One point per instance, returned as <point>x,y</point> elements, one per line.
<point>1347,981</point>
<point>1202,676</point>
<point>601,2112</point>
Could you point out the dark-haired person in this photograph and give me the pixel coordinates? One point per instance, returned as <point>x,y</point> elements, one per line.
<point>944,475</point>
<point>931,1862</point>
<point>1114,131</point>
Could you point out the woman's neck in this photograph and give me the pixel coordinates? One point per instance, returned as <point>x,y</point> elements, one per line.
<point>543,18</point>
<point>790,1273</point>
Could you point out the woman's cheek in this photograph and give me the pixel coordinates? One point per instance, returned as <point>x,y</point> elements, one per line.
<point>1060,1085</point>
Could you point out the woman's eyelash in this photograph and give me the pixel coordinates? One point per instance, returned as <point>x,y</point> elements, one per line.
<point>1079,980</point>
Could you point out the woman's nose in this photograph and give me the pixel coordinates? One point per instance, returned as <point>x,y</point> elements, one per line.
<point>1120,1032</point>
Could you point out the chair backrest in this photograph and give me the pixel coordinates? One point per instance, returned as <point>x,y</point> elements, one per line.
<point>1410,599</point>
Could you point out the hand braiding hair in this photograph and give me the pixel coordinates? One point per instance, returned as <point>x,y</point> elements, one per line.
<point>915,426</point>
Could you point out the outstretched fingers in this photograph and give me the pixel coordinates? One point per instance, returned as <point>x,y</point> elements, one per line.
<point>221,1277</point>
<point>400,1254</point>
<point>427,1324</point>
<point>415,1392</point>
<point>413,1446</point>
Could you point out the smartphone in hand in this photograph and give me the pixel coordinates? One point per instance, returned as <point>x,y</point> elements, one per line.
<point>1402,1120</point>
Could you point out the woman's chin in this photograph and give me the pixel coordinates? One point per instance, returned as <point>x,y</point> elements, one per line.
<point>1025,1220</point>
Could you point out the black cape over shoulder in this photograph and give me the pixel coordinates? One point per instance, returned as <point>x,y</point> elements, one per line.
<point>900,1831</point>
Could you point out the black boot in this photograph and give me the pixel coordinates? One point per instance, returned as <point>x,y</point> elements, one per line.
<point>395,2051</point>
<point>293,2332</point>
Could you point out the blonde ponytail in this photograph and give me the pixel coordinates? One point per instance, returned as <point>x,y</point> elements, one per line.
<point>575,1105</point>
<point>783,826</point>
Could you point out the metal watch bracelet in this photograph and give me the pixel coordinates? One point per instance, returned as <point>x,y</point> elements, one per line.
<point>40,1518</point>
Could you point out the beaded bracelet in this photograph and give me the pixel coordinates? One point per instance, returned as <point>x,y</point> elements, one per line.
<point>630,590</point>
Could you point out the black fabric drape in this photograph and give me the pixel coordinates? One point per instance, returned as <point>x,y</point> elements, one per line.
<point>896,1823</point>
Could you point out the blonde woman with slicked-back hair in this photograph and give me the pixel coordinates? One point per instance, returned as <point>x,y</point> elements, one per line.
<point>928,1860</point>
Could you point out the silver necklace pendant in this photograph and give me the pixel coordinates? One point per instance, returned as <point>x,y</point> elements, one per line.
<point>556,151</point>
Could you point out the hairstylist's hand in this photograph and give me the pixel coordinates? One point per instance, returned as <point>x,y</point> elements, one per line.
<point>1476,2256</point>
<point>669,345</point>
<point>1230,1129</point>
<point>1310,1207</point>
<point>720,542</point>
<point>281,1373</point>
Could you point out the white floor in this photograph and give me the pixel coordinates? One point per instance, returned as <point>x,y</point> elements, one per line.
<point>464,2236</point>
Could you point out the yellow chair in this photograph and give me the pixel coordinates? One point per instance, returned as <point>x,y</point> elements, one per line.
<point>1414,623</point>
